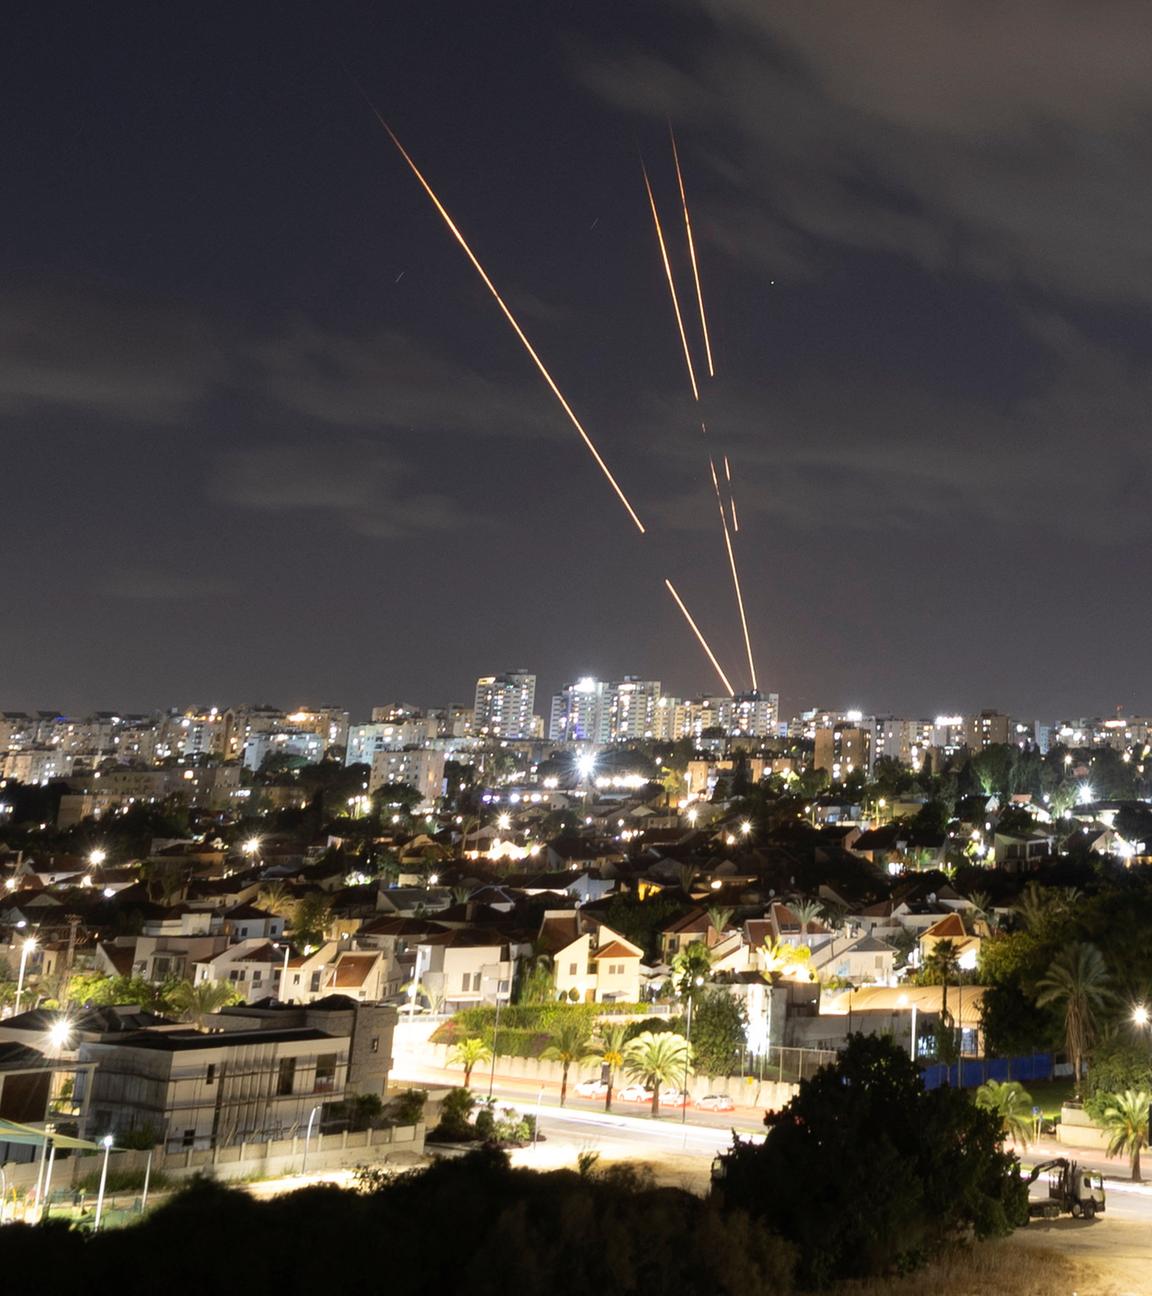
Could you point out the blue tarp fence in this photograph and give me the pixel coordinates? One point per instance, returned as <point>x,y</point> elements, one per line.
<point>972,1072</point>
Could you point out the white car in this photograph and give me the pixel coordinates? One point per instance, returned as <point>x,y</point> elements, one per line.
<point>590,1089</point>
<point>673,1097</point>
<point>634,1093</point>
<point>716,1102</point>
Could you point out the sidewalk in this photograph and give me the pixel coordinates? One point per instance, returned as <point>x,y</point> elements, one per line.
<point>527,1092</point>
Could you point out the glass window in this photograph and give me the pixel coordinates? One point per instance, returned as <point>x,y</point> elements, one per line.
<point>210,1076</point>
<point>326,1073</point>
<point>286,1076</point>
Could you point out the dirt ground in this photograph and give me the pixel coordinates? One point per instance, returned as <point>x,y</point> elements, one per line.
<point>1113,1256</point>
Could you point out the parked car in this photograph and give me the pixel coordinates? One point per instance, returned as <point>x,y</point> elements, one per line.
<point>634,1093</point>
<point>673,1097</point>
<point>591,1089</point>
<point>716,1102</point>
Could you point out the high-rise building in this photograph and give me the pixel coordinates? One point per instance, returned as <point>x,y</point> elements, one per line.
<point>633,708</point>
<point>988,729</point>
<point>504,705</point>
<point>581,712</point>
<point>842,750</point>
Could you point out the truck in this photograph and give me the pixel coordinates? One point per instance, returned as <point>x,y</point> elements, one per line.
<point>1067,1189</point>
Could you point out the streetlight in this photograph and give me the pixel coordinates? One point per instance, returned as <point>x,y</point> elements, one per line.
<point>903,1002</point>
<point>697,981</point>
<point>251,846</point>
<point>26,949</point>
<point>106,1143</point>
<point>495,1032</point>
<point>307,1137</point>
<point>97,857</point>
<point>283,970</point>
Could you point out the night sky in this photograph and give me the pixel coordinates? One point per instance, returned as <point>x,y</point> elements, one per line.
<point>265,436</point>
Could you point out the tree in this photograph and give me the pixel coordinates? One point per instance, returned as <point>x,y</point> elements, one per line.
<point>608,1047</point>
<point>719,916</point>
<point>691,969</point>
<point>805,912</point>
<point>468,1054</point>
<point>939,968</point>
<point>276,898</point>
<point>94,988</point>
<point>658,1059</point>
<point>899,1171</point>
<point>569,1044</point>
<point>311,917</point>
<point>1077,980</point>
<point>1126,1120</point>
<point>719,1032</point>
<point>196,1001</point>
<point>778,958</point>
<point>1012,1105</point>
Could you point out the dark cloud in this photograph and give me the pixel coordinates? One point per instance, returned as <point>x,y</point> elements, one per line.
<point>352,481</point>
<point>1009,141</point>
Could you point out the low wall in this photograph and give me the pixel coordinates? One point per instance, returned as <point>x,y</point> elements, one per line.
<point>1077,1129</point>
<point>239,1161</point>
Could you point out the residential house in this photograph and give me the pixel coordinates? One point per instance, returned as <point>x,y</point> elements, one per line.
<point>465,966</point>
<point>591,963</point>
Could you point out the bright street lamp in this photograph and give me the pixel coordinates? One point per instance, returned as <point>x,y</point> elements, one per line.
<point>106,1143</point>
<point>307,1138</point>
<point>504,822</point>
<point>251,846</point>
<point>26,949</point>
<point>1140,1015</point>
<point>97,857</point>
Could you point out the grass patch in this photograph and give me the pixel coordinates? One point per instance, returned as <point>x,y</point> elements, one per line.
<point>980,1270</point>
<point>1048,1095</point>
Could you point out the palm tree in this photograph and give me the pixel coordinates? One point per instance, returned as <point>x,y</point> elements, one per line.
<point>468,1053</point>
<point>608,1047</point>
<point>569,1044</point>
<point>777,957</point>
<point>940,967</point>
<point>686,875</point>
<point>719,916</point>
<point>1077,979</point>
<point>195,1002</point>
<point>1012,1104</point>
<point>981,902</point>
<point>656,1059</point>
<point>276,898</point>
<point>1126,1121</point>
<point>806,912</point>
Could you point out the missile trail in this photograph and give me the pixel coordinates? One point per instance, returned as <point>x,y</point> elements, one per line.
<point>735,576</point>
<point>703,642</point>
<point>731,494</point>
<point>512,320</point>
<point>692,252</point>
<point>671,283</point>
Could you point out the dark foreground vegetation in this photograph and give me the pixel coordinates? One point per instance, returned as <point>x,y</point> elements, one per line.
<point>864,1173</point>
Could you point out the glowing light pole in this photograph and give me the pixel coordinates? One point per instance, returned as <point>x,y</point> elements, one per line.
<point>26,949</point>
<point>106,1143</point>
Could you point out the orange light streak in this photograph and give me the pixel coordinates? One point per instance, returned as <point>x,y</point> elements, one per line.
<point>671,283</point>
<point>512,320</point>
<point>696,631</point>
<point>692,253</point>
<point>735,576</point>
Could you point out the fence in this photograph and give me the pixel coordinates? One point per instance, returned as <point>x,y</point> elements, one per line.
<point>969,1073</point>
<point>238,1161</point>
<point>787,1065</point>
